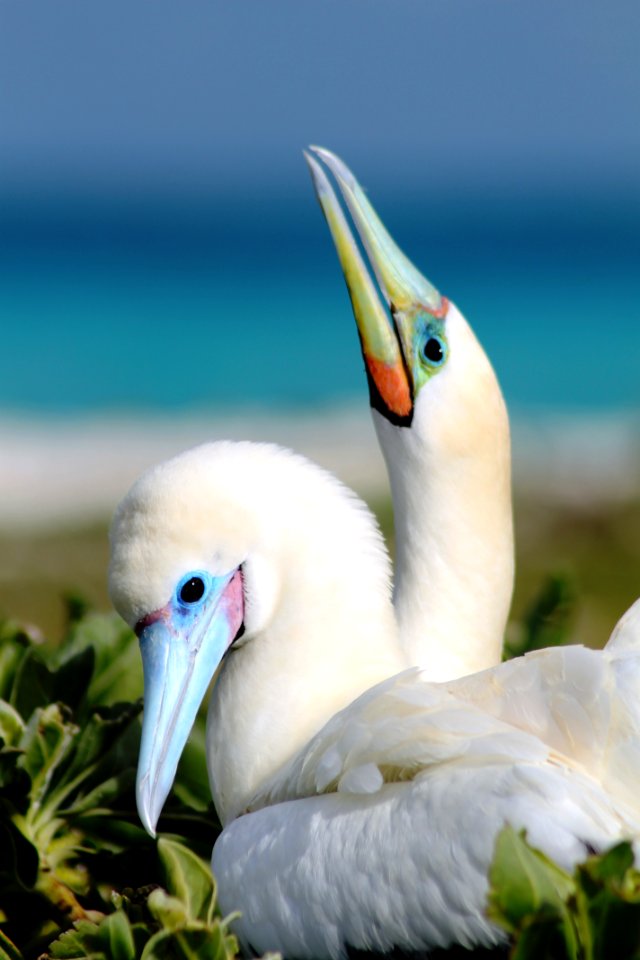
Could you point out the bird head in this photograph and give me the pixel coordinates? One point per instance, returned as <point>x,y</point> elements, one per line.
<point>425,368</point>
<point>247,561</point>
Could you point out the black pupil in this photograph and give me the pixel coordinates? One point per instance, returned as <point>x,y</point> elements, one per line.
<point>192,591</point>
<point>433,350</point>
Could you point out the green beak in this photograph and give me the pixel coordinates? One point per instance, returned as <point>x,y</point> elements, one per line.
<point>386,341</point>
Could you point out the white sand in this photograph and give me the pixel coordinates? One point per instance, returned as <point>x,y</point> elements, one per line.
<point>578,460</point>
<point>69,472</point>
<point>72,472</point>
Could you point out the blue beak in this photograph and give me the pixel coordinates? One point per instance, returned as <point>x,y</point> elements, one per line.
<point>181,646</point>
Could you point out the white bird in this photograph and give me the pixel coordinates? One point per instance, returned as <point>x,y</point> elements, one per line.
<point>360,808</point>
<point>443,428</point>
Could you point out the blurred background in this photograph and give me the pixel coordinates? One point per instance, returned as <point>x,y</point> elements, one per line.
<point>166,276</point>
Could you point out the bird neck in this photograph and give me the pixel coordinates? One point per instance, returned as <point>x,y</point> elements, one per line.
<point>332,636</point>
<point>454,546</point>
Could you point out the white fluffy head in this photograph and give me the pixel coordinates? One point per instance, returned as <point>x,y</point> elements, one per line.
<point>319,625</point>
<point>224,504</point>
<point>460,412</point>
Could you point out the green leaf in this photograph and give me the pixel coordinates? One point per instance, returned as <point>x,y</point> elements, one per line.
<point>78,943</point>
<point>115,935</point>
<point>46,743</point>
<point>542,939</point>
<point>39,682</point>
<point>11,723</point>
<point>8,949</point>
<point>99,733</point>
<point>112,831</point>
<point>117,674</point>
<point>72,678</point>
<point>194,945</point>
<point>523,881</point>
<point>610,890</point>
<point>189,878</point>
<point>95,802</point>
<point>612,866</point>
<point>594,915</point>
<point>615,928</point>
<point>170,912</point>
<point>191,944</point>
<point>15,642</point>
<point>222,944</point>
<point>111,939</point>
<point>33,684</point>
<point>159,946</point>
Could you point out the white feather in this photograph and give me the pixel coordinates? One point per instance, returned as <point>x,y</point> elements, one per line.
<point>406,866</point>
<point>450,476</point>
<point>360,804</point>
<point>449,463</point>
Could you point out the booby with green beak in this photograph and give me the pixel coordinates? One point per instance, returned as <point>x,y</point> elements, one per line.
<point>444,432</point>
<point>360,809</point>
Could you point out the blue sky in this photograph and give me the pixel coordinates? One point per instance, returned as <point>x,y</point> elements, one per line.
<point>500,140</point>
<point>215,95</point>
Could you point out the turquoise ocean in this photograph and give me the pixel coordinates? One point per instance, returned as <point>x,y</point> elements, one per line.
<point>206,304</point>
<point>135,326</point>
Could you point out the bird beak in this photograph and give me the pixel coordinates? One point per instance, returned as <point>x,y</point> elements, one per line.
<point>387,342</point>
<point>181,650</point>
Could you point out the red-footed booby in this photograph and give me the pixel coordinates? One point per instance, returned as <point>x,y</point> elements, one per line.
<point>443,428</point>
<point>360,808</point>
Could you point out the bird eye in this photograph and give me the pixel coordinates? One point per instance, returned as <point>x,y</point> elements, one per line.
<point>192,590</point>
<point>433,351</point>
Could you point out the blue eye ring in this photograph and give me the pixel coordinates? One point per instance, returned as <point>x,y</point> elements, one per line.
<point>433,350</point>
<point>193,588</point>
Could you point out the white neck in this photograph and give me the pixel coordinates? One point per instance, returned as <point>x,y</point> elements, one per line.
<point>331,636</point>
<point>451,488</point>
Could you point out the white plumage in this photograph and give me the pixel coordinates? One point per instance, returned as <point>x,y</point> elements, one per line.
<point>360,808</point>
<point>444,432</point>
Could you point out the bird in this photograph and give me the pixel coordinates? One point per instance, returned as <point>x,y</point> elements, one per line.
<point>360,801</point>
<point>443,427</point>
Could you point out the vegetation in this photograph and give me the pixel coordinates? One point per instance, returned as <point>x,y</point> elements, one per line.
<point>592,915</point>
<point>79,877</point>
<point>596,544</point>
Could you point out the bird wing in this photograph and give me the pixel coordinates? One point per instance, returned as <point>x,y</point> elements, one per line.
<point>583,704</point>
<point>381,831</point>
<point>567,707</point>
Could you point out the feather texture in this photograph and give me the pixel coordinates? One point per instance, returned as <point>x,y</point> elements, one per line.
<point>380,832</point>
<point>361,804</point>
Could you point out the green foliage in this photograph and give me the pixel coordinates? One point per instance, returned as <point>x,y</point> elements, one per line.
<point>549,618</point>
<point>593,914</point>
<point>79,878</point>
<point>174,923</point>
<point>69,830</point>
